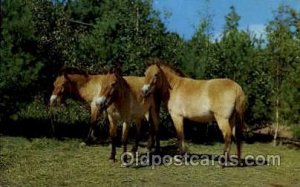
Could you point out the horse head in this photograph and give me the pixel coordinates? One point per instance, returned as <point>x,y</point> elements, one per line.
<point>111,86</point>
<point>154,80</point>
<point>62,85</point>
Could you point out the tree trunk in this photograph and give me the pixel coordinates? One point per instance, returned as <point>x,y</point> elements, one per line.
<point>277,106</point>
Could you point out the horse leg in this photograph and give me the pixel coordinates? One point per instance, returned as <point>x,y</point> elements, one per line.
<point>237,123</point>
<point>113,136</point>
<point>226,129</point>
<point>155,124</point>
<point>125,129</point>
<point>137,137</point>
<point>151,131</point>
<point>151,135</point>
<point>178,123</point>
<point>94,113</point>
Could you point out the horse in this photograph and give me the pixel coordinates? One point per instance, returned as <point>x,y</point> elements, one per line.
<point>122,99</point>
<point>220,100</point>
<point>78,83</point>
<point>86,87</point>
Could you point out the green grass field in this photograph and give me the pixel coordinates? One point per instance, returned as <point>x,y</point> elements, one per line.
<point>48,162</point>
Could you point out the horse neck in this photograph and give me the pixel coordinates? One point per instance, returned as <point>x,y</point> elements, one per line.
<point>122,97</point>
<point>170,81</point>
<point>80,83</point>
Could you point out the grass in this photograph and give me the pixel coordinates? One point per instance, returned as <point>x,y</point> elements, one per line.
<point>49,162</point>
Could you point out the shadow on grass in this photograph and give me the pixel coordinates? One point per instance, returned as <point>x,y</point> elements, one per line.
<point>169,156</point>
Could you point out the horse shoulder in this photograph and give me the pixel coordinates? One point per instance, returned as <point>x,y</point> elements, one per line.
<point>93,86</point>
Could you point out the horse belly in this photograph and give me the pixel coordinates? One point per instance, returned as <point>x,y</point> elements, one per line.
<point>199,115</point>
<point>193,110</point>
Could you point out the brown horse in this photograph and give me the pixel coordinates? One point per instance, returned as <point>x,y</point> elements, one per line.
<point>220,100</point>
<point>122,99</point>
<point>71,81</point>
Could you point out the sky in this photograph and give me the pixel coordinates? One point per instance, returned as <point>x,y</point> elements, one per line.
<point>186,14</point>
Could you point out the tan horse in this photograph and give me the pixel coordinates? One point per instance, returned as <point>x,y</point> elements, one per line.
<point>71,81</point>
<point>220,100</point>
<point>122,99</point>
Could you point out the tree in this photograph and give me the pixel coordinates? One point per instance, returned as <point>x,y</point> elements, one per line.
<point>199,51</point>
<point>283,47</point>
<point>19,67</point>
<point>127,33</point>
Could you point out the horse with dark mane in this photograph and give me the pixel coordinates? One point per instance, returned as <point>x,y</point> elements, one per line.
<point>84,86</point>
<point>220,100</point>
<point>122,99</point>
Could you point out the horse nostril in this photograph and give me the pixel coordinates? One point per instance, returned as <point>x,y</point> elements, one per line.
<point>102,104</point>
<point>53,99</point>
<point>146,89</point>
<point>101,101</point>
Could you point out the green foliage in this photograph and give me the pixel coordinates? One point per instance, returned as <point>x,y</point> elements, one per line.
<point>71,113</point>
<point>296,131</point>
<point>19,66</point>
<point>290,94</point>
<point>127,33</point>
<point>283,50</point>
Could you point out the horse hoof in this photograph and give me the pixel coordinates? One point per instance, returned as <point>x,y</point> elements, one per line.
<point>134,150</point>
<point>124,165</point>
<point>82,144</point>
<point>112,159</point>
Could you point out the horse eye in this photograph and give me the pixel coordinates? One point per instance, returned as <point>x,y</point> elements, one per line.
<point>113,84</point>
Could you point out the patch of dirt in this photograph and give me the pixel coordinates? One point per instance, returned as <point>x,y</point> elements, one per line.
<point>283,131</point>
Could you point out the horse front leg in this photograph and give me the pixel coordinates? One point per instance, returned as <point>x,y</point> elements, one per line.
<point>151,142</point>
<point>94,114</point>
<point>137,137</point>
<point>113,137</point>
<point>125,129</point>
<point>155,126</point>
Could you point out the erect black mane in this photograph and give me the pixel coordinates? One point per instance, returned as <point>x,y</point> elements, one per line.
<point>161,62</point>
<point>72,70</point>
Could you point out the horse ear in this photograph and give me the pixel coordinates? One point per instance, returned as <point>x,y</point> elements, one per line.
<point>66,76</point>
<point>116,70</point>
<point>152,61</point>
<point>62,70</point>
<point>148,62</point>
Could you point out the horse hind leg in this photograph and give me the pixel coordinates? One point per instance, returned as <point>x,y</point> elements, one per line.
<point>226,129</point>
<point>237,123</point>
<point>178,123</point>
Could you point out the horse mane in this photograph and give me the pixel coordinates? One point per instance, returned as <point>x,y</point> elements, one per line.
<point>72,70</point>
<point>164,64</point>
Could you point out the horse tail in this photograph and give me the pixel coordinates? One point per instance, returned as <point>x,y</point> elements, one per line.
<point>239,119</point>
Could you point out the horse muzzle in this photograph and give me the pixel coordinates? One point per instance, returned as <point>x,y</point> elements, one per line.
<point>53,100</point>
<point>102,102</point>
<point>146,90</point>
